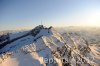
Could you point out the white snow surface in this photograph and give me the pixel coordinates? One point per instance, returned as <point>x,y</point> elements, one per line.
<point>50,45</point>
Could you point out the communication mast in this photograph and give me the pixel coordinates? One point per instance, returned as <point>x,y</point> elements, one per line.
<point>41,22</point>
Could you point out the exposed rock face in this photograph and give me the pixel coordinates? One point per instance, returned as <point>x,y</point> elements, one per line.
<point>37,29</point>
<point>47,47</point>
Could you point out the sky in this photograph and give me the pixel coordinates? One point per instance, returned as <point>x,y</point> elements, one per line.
<point>23,14</point>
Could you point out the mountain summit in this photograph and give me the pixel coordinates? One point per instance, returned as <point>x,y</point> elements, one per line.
<point>44,46</point>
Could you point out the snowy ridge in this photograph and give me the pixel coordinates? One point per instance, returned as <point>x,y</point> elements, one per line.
<point>49,44</point>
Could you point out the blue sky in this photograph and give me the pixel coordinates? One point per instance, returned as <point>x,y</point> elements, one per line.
<point>22,14</point>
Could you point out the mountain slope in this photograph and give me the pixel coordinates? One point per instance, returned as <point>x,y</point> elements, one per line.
<point>47,47</point>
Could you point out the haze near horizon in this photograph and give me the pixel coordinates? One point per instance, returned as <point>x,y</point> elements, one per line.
<point>23,14</point>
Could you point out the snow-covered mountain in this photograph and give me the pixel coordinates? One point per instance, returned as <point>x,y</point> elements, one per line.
<point>44,46</point>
